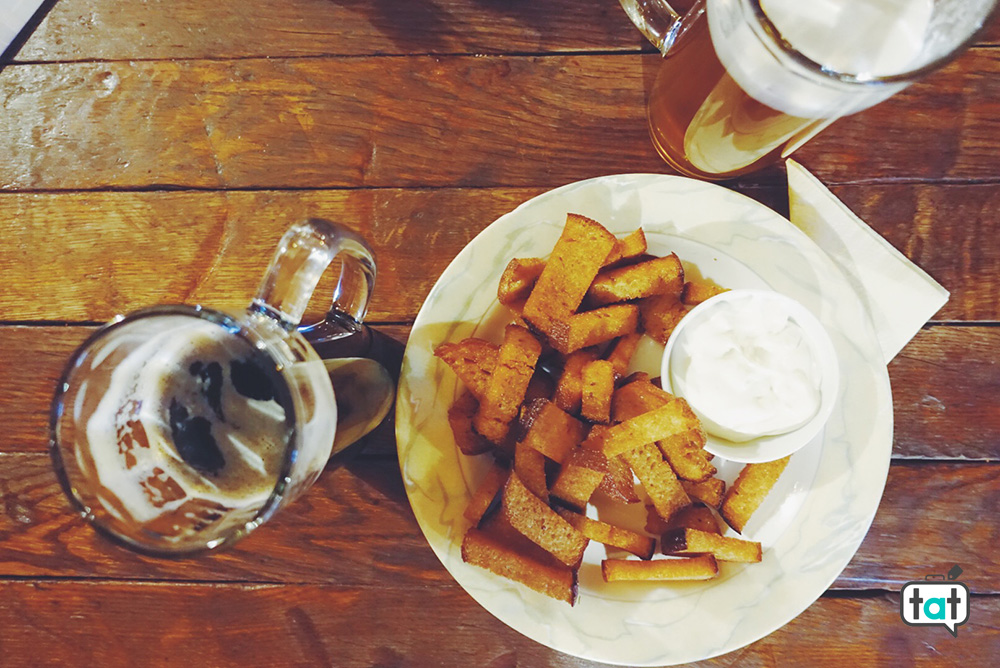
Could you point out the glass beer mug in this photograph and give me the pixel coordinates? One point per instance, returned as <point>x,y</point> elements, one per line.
<point>746,82</point>
<point>179,428</point>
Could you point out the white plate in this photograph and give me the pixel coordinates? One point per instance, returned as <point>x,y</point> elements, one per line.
<point>810,526</point>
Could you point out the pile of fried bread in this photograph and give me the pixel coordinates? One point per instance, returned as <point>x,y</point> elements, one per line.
<point>567,427</point>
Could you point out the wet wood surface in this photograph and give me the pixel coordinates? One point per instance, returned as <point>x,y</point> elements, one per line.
<point>292,625</point>
<point>154,151</point>
<point>334,122</point>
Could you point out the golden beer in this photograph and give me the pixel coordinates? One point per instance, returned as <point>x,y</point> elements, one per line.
<point>705,125</point>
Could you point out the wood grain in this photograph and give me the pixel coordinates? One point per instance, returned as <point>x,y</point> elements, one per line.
<point>160,29</point>
<point>155,150</point>
<point>113,252</point>
<point>355,527</point>
<point>157,625</point>
<point>321,122</point>
<point>929,418</point>
<point>941,228</point>
<point>121,251</point>
<point>476,121</point>
<point>33,358</point>
<point>944,396</point>
<point>931,517</point>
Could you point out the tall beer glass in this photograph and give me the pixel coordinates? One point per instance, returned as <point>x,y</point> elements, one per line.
<point>746,82</point>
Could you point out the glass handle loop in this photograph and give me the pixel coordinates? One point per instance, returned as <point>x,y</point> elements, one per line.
<point>659,22</point>
<point>303,254</point>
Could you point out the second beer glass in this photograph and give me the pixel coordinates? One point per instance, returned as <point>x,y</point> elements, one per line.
<point>746,82</point>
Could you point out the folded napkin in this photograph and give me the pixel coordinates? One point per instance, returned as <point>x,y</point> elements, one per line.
<point>898,294</point>
<point>14,17</point>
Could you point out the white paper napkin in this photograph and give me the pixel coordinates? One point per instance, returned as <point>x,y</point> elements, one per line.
<point>14,15</point>
<point>899,295</point>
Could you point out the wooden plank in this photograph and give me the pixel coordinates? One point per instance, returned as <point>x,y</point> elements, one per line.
<point>943,512</point>
<point>931,516</point>
<point>32,360</point>
<point>478,121</point>
<point>322,122</point>
<point>161,29</point>
<point>115,252</point>
<point>128,623</point>
<point>930,419</point>
<point>217,244</point>
<point>942,230</point>
<point>30,369</point>
<point>353,527</point>
<point>943,382</point>
<point>136,29</point>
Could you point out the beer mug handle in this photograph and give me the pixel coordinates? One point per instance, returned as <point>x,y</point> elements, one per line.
<point>659,22</point>
<point>303,254</point>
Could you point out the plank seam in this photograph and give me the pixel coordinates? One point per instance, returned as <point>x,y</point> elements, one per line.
<point>177,188</point>
<point>642,50</point>
<point>625,51</point>
<point>103,581</point>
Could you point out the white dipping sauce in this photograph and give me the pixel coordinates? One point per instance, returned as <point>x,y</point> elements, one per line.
<point>747,368</point>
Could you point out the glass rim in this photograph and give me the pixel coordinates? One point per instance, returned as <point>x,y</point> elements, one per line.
<point>56,409</point>
<point>786,49</point>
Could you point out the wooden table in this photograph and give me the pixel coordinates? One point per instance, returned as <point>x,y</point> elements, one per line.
<point>153,151</point>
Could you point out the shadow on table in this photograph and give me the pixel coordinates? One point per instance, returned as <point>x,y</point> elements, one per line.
<point>421,26</point>
<point>388,351</point>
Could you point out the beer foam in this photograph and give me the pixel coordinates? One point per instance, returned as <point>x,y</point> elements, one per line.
<point>872,37</point>
<point>147,434</point>
<point>869,38</point>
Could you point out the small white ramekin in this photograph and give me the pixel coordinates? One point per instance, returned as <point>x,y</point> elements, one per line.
<point>765,448</point>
